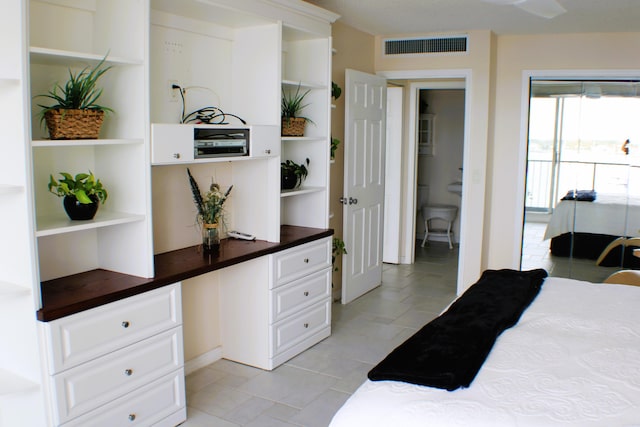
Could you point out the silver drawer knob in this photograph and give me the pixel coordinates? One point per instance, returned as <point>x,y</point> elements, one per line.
<point>132,417</point>
<point>306,293</point>
<point>128,372</point>
<point>125,324</point>
<point>267,151</point>
<point>176,155</point>
<point>306,325</point>
<point>306,260</point>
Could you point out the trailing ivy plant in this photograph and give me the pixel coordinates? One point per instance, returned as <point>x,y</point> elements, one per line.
<point>339,248</point>
<point>82,186</point>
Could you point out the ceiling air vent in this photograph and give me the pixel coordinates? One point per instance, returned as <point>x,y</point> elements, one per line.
<point>454,44</point>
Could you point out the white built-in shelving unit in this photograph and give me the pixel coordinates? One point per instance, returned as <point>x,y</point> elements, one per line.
<point>119,237</point>
<point>306,66</point>
<point>21,389</point>
<point>263,47</point>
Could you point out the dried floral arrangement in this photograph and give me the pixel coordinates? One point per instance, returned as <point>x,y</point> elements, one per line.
<point>210,205</point>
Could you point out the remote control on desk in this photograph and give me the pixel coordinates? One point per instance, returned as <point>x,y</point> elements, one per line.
<point>239,235</point>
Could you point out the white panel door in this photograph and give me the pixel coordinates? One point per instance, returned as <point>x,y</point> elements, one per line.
<point>365,134</point>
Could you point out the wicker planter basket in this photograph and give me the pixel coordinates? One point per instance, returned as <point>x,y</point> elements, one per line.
<point>293,126</point>
<point>74,124</point>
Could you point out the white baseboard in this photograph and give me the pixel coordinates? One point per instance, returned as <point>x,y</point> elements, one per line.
<point>203,360</point>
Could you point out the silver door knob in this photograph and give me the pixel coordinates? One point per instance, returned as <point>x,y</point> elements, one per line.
<point>353,201</point>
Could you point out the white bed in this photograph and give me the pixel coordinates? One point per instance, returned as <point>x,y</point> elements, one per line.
<point>573,359</point>
<point>612,215</point>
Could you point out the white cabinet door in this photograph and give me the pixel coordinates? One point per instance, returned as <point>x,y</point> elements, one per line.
<point>171,144</point>
<point>265,141</point>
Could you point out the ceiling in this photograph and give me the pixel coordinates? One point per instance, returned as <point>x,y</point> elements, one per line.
<point>384,17</point>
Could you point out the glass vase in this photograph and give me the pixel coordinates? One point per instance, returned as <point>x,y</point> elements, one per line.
<point>210,238</point>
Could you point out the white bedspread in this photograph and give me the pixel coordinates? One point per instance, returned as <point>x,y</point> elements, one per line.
<point>608,214</point>
<point>573,359</point>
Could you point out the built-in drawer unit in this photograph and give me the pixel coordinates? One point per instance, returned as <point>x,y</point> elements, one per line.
<point>113,353</point>
<point>301,293</point>
<point>302,325</point>
<point>159,403</point>
<point>80,389</point>
<point>300,261</point>
<point>81,337</point>
<point>266,324</point>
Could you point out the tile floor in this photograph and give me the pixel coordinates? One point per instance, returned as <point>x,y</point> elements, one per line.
<point>535,254</point>
<point>308,389</point>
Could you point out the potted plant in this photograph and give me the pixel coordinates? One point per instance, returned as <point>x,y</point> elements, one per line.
<point>338,248</point>
<point>75,114</point>
<point>336,90</point>
<point>293,123</point>
<point>210,206</point>
<point>334,147</point>
<point>82,194</point>
<point>292,174</point>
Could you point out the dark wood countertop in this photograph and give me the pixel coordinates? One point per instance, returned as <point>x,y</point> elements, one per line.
<point>72,294</point>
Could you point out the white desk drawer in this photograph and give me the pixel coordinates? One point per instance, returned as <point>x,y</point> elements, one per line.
<point>300,294</point>
<point>297,262</point>
<point>84,336</point>
<point>146,406</point>
<point>297,328</point>
<point>102,380</point>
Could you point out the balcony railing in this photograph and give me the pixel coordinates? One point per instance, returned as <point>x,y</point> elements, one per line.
<point>611,178</point>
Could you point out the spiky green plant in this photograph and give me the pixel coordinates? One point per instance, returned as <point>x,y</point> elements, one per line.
<point>79,92</point>
<point>292,104</point>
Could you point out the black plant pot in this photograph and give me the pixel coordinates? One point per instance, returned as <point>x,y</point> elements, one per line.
<point>288,180</point>
<point>80,211</point>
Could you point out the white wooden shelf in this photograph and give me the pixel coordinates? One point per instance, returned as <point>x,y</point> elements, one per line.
<point>299,191</point>
<point>83,142</point>
<point>46,56</point>
<point>11,189</point>
<point>303,138</point>
<point>303,84</point>
<point>11,383</point>
<point>60,224</point>
<point>8,289</point>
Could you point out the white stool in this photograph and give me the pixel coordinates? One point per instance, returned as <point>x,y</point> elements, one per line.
<point>445,213</point>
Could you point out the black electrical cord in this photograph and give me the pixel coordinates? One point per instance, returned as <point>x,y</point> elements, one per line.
<point>206,115</point>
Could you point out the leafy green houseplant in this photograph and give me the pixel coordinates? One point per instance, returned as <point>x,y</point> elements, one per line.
<point>82,194</point>
<point>335,142</point>
<point>338,248</point>
<point>292,104</point>
<point>210,206</point>
<point>293,174</point>
<point>75,113</point>
<point>336,90</point>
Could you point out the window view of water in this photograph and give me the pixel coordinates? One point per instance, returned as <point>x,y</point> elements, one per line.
<point>582,142</point>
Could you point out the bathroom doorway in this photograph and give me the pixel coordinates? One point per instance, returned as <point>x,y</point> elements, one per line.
<point>440,139</point>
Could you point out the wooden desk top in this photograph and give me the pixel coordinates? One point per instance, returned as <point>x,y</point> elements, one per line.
<point>72,294</point>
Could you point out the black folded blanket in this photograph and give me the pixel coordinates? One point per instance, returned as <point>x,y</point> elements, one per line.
<point>580,195</point>
<point>449,351</point>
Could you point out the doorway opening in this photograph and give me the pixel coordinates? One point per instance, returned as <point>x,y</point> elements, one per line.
<point>431,158</point>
